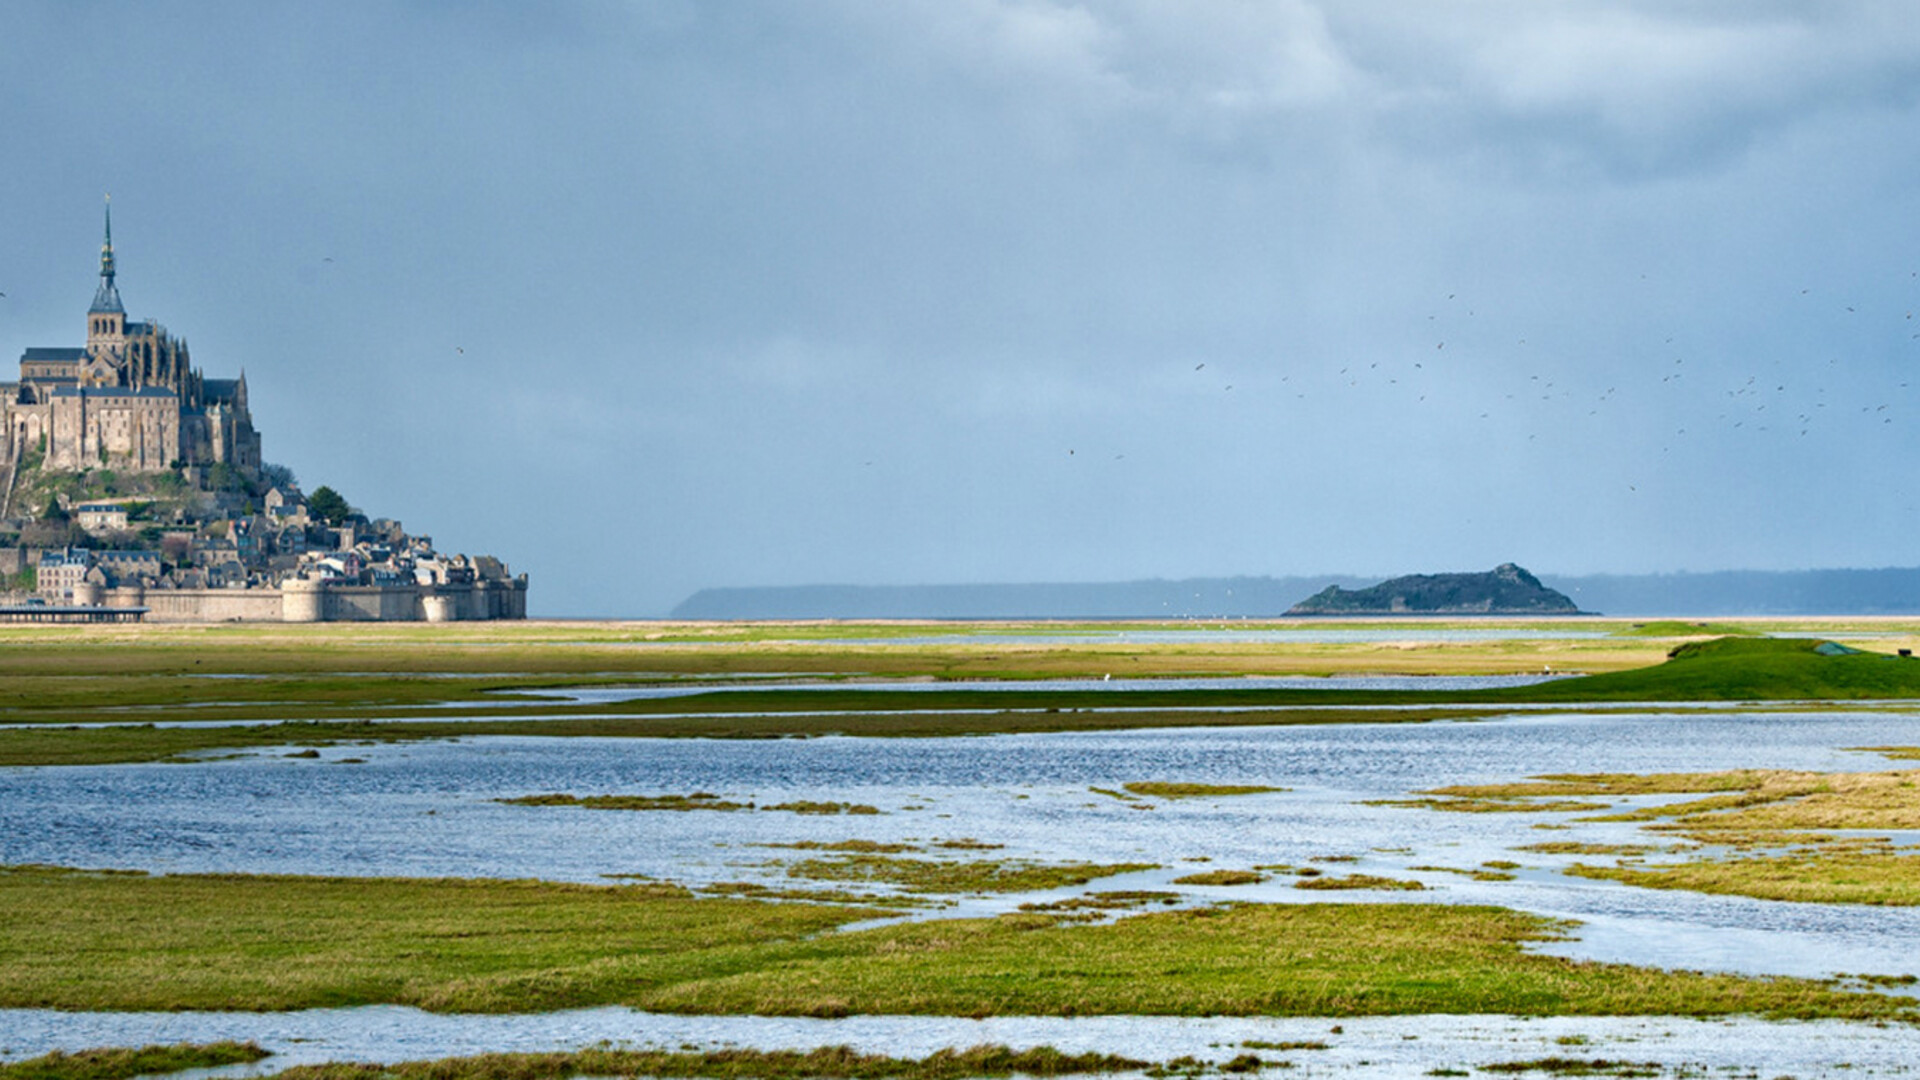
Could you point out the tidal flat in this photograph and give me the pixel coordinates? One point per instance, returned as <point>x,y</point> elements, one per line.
<point>1081,802</point>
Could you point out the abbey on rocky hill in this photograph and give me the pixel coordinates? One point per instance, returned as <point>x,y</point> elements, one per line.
<point>132,487</point>
<point>130,400</point>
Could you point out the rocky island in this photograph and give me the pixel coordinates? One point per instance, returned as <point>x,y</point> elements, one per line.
<point>1507,589</point>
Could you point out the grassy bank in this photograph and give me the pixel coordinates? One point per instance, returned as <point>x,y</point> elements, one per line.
<point>1765,833</point>
<point>116,941</point>
<point>124,743</point>
<point>1845,874</point>
<point>124,1063</point>
<point>825,1063</point>
<point>330,701</point>
<point>87,674</point>
<point>941,651</point>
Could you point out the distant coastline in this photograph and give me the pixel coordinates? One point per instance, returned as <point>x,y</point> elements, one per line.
<point>1724,593</point>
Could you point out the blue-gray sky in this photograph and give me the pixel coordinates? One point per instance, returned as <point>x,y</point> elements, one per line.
<point>646,297</point>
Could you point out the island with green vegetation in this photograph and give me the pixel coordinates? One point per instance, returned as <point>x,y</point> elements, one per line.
<point>1507,589</point>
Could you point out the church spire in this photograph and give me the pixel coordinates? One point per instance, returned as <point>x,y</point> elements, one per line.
<point>106,299</point>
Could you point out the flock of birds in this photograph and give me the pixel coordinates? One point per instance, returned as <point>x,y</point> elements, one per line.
<point>1794,399</point>
<point>1485,383</point>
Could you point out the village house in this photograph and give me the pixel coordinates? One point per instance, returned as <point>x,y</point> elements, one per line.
<point>100,517</point>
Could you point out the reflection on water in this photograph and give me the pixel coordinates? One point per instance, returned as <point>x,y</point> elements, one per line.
<point>428,809</point>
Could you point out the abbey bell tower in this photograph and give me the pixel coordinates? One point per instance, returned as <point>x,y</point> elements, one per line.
<point>106,319</point>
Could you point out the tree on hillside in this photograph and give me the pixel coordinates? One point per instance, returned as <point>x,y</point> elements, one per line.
<point>276,476</point>
<point>327,505</point>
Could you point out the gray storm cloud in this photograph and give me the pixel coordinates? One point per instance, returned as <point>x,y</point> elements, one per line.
<point>655,296</point>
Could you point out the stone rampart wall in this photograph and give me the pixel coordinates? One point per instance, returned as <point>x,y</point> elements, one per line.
<point>336,603</point>
<point>208,605</point>
<point>373,603</point>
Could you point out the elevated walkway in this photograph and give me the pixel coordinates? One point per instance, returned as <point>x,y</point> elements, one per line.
<point>69,613</point>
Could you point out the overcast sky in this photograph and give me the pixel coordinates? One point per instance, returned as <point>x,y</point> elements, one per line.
<point>647,297</point>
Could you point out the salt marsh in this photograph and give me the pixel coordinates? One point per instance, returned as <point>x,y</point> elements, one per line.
<point>430,809</point>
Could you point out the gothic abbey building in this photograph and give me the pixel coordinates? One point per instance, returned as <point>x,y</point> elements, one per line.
<point>129,400</point>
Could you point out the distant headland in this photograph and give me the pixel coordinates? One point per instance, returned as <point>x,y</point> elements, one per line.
<point>132,486</point>
<point>1507,589</point>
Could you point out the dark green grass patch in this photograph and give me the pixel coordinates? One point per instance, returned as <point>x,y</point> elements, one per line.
<point>857,847</point>
<point>120,743</point>
<point>1168,790</point>
<point>754,890</point>
<point>827,1063</point>
<point>1115,900</point>
<point>1561,1066</point>
<point>1359,881</point>
<point>1739,669</point>
<point>1222,877</point>
<point>1576,847</point>
<point>124,942</point>
<point>122,1063</point>
<point>1855,874</point>
<point>1475,874</point>
<point>1675,628</point>
<point>699,800</point>
<point>973,876</point>
<point>805,806</point>
<point>334,702</point>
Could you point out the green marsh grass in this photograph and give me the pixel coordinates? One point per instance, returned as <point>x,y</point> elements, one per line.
<point>806,806</point>
<point>115,941</point>
<point>1475,874</point>
<point>504,681</point>
<point>826,1063</point>
<point>1115,900</point>
<point>859,847</point>
<point>699,800</point>
<point>1222,877</point>
<point>124,1063</point>
<point>754,890</point>
<point>106,744</point>
<point>1359,881</point>
<point>1770,834</point>
<point>1564,1066</point>
<point>1170,790</point>
<point>1852,874</point>
<point>1672,628</point>
<point>971,876</point>
<point>1576,847</point>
